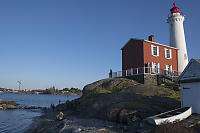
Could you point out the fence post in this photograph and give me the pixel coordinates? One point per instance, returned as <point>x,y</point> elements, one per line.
<point>150,70</point>
<point>131,71</point>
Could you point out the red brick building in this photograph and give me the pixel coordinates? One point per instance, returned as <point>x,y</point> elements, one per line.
<point>144,54</point>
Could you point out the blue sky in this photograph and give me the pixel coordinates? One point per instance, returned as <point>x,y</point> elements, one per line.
<point>70,43</point>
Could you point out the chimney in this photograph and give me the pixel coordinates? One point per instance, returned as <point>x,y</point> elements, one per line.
<point>151,38</point>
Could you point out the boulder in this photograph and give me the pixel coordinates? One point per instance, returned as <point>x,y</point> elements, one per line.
<point>11,107</point>
<point>125,115</point>
<point>77,130</point>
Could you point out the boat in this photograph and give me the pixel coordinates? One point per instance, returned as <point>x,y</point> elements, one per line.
<point>170,116</point>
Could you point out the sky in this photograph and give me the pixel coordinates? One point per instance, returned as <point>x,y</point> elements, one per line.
<point>70,43</point>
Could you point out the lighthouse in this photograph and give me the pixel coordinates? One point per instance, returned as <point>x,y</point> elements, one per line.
<point>177,36</point>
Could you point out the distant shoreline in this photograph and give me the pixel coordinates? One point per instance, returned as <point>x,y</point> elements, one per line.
<point>52,93</point>
<point>67,93</point>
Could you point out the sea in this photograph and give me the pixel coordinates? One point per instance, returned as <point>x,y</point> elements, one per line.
<point>18,120</point>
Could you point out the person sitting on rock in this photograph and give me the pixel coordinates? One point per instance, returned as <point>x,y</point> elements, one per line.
<point>60,116</point>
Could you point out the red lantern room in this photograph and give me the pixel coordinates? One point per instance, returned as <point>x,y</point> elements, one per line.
<point>175,9</point>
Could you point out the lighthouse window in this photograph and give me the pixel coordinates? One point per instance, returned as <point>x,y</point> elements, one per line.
<point>154,50</point>
<point>185,88</point>
<point>168,53</point>
<point>185,56</point>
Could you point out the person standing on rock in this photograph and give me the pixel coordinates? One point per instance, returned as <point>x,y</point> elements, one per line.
<point>110,73</point>
<point>53,106</point>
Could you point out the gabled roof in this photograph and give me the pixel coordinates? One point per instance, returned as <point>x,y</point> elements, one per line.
<point>160,44</point>
<point>197,60</point>
<point>149,42</point>
<point>191,72</point>
<point>131,40</point>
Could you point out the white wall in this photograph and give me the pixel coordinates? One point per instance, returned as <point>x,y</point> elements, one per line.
<point>191,97</point>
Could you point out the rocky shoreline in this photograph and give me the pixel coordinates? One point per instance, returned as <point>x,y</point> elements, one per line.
<point>8,105</point>
<point>108,105</point>
<point>4,105</point>
<point>47,123</point>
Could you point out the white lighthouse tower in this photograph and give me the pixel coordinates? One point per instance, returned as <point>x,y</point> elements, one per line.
<point>177,36</point>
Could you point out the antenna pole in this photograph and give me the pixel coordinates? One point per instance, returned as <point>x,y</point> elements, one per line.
<point>19,82</point>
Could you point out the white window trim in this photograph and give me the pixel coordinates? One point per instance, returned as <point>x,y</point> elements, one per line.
<point>152,50</point>
<point>152,46</point>
<point>155,67</point>
<point>165,53</point>
<point>158,67</point>
<point>168,68</point>
<point>170,53</point>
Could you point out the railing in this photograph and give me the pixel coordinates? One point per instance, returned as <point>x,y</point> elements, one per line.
<point>145,70</point>
<point>181,13</point>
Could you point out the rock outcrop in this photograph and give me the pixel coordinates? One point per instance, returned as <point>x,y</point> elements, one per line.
<point>122,100</point>
<point>4,105</point>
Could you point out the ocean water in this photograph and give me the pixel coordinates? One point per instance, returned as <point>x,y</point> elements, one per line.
<point>18,120</point>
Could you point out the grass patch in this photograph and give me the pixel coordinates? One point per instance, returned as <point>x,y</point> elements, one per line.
<point>92,96</point>
<point>116,89</point>
<point>175,95</point>
<point>135,104</point>
<point>97,93</point>
<point>103,91</point>
<point>172,93</point>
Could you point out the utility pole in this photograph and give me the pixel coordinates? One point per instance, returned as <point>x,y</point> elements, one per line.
<point>19,83</point>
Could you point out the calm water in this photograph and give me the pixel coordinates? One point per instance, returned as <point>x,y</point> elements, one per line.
<point>17,121</point>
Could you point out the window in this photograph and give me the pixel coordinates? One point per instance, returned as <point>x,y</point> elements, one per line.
<point>155,67</point>
<point>168,53</point>
<point>185,88</point>
<point>168,69</point>
<point>154,50</point>
<point>147,67</point>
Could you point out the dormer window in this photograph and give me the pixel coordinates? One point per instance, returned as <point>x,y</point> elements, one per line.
<point>154,50</point>
<point>168,53</point>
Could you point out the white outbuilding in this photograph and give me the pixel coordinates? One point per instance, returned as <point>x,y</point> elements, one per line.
<point>190,86</point>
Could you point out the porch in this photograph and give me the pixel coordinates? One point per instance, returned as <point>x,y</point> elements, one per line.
<point>145,72</point>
